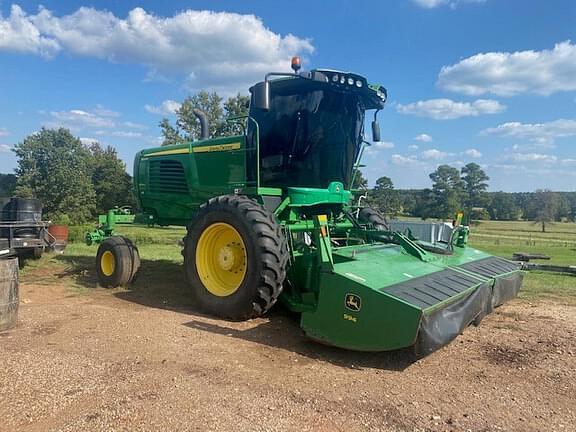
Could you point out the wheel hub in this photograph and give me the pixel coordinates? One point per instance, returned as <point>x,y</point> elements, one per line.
<point>230,257</point>
<point>221,259</point>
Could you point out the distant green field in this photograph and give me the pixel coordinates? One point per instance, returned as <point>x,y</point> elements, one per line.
<point>505,238</point>
<point>558,242</point>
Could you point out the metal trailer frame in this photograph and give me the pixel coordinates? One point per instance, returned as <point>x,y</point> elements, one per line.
<point>12,245</point>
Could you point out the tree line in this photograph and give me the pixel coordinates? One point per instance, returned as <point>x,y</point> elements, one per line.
<point>465,190</point>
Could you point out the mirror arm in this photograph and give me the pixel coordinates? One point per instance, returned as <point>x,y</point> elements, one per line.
<point>376,128</point>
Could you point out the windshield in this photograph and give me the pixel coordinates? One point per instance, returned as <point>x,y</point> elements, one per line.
<point>309,138</point>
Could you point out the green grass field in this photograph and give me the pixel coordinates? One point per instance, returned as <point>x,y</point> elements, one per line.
<point>159,250</point>
<point>558,242</point>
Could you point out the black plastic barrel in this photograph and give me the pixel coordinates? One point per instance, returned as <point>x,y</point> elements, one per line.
<point>9,298</point>
<point>5,216</point>
<point>25,210</point>
<point>6,210</point>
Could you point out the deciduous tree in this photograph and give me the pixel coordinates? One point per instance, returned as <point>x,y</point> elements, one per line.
<point>448,190</point>
<point>54,167</point>
<point>187,125</point>
<point>112,184</point>
<point>546,205</point>
<point>385,196</point>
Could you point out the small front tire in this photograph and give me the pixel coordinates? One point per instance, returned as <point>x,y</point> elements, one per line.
<point>117,262</point>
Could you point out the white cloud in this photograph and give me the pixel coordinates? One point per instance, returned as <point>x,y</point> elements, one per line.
<point>87,141</point>
<point>431,4</point>
<point>413,147</point>
<point>4,132</point>
<point>398,159</point>
<point>169,106</point>
<point>383,145</point>
<point>423,138</point>
<point>447,109</point>
<point>105,112</point>
<point>19,33</point>
<point>5,148</point>
<point>541,134</point>
<point>126,134</point>
<point>216,50</point>
<point>135,125</point>
<point>473,153</point>
<point>506,74</point>
<point>78,119</point>
<point>434,154</point>
<point>531,157</point>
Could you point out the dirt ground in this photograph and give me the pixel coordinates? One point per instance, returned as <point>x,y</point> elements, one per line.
<point>102,360</point>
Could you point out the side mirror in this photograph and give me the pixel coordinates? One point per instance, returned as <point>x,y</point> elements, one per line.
<point>376,131</point>
<point>261,95</point>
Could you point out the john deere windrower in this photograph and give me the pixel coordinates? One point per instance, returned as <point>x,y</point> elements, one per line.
<point>270,216</point>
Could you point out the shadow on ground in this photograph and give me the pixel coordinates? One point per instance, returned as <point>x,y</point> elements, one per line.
<point>161,284</point>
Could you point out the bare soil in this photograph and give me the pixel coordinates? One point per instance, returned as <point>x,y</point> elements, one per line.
<point>109,360</point>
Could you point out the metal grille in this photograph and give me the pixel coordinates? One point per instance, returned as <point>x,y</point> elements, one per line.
<point>429,290</point>
<point>490,267</point>
<point>167,176</point>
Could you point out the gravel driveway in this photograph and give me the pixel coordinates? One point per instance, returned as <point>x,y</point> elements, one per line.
<point>106,360</point>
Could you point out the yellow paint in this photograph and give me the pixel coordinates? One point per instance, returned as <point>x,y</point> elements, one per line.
<point>221,259</point>
<point>350,318</point>
<point>169,152</point>
<point>199,149</point>
<point>216,148</point>
<point>107,263</point>
<point>322,218</point>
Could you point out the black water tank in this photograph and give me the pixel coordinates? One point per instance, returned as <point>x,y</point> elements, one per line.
<point>5,216</point>
<point>6,211</point>
<point>24,210</point>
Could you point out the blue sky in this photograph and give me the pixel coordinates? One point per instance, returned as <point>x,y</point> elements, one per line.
<point>489,81</point>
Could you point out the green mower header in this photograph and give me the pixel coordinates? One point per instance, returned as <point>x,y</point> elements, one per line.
<point>271,216</point>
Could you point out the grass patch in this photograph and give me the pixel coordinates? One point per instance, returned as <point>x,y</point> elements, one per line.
<point>503,238</point>
<point>549,286</point>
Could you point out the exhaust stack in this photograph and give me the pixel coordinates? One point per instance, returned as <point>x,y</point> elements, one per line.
<point>203,119</point>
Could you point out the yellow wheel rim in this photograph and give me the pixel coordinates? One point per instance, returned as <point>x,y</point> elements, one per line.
<point>221,259</point>
<point>107,263</point>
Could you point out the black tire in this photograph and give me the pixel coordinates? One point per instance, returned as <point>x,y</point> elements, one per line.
<point>126,262</point>
<point>266,251</point>
<point>37,253</point>
<point>373,217</point>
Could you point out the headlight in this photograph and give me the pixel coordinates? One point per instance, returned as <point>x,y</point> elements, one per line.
<point>350,81</point>
<point>335,78</point>
<point>342,79</point>
<point>358,83</point>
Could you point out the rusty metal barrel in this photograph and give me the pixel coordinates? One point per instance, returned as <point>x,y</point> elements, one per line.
<point>9,298</point>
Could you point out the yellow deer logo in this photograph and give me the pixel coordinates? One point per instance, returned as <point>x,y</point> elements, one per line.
<point>353,302</point>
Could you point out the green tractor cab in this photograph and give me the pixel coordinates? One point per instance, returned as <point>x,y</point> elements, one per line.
<point>271,217</point>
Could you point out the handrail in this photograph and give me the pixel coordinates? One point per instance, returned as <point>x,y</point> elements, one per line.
<point>250,118</point>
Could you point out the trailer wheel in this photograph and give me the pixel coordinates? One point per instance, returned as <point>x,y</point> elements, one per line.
<point>37,252</point>
<point>235,257</point>
<point>117,262</point>
<point>374,217</point>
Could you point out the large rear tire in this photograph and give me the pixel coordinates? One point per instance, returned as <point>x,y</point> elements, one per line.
<point>373,217</point>
<point>117,262</point>
<point>235,258</point>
